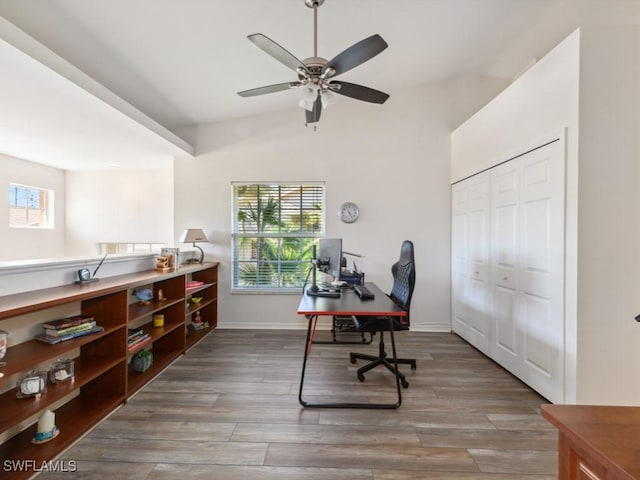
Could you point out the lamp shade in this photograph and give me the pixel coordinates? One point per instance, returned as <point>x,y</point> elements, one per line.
<point>193,235</point>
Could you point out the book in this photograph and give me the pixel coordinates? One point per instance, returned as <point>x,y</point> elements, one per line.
<point>194,284</point>
<point>53,340</point>
<point>133,332</point>
<point>66,331</point>
<point>67,322</point>
<point>137,337</point>
<point>139,344</point>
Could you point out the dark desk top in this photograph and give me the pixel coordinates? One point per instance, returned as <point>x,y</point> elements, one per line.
<point>350,304</point>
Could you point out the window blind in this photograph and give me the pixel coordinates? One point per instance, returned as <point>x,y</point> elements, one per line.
<point>274,228</point>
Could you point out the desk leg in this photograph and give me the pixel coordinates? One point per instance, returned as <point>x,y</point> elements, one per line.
<point>395,360</point>
<point>307,345</point>
<point>307,351</point>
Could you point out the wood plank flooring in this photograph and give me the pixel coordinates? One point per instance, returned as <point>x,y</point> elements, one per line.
<point>228,410</point>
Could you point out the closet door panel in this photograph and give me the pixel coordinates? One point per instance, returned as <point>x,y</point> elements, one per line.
<point>504,349</point>
<point>542,269</point>
<point>478,247</point>
<point>459,260</point>
<point>506,346</point>
<point>539,351</point>
<point>505,247</point>
<point>460,309</point>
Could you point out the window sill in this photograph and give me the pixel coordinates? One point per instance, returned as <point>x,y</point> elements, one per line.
<point>267,291</point>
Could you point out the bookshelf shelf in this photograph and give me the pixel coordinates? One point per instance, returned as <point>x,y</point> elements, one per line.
<point>141,311</point>
<point>15,410</point>
<point>104,378</point>
<point>193,290</point>
<point>24,356</point>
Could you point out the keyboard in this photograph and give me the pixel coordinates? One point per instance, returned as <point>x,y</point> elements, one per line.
<point>363,292</point>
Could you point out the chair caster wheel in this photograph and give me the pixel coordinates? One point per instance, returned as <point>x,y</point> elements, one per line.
<point>405,384</point>
<point>413,366</point>
<point>361,377</point>
<point>353,360</point>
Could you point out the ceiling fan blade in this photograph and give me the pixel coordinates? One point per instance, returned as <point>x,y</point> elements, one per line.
<point>356,54</point>
<point>276,51</point>
<point>278,87</point>
<point>313,116</point>
<point>359,92</point>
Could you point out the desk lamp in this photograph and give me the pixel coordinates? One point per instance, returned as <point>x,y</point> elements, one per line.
<point>194,235</point>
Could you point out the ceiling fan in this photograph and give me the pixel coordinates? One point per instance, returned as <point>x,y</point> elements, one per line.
<point>316,74</point>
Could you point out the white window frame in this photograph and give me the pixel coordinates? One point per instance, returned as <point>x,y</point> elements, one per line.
<point>126,248</point>
<point>47,211</point>
<point>282,270</point>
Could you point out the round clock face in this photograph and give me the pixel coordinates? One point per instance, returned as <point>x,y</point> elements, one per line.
<point>349,212</point>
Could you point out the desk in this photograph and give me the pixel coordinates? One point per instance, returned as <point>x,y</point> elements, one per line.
<point>348,304</point>
<point>596,442</point>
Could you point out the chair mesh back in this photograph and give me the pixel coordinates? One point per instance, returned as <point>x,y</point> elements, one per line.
<point>404,276</point>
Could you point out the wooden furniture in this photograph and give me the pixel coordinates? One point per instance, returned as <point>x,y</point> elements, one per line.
<point>596,442</point>
<point>104,378</point>
<point>346,305</point>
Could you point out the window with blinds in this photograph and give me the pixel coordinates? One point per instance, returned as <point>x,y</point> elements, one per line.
<point>275,226</point>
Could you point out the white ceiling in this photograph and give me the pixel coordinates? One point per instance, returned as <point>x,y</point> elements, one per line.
<point>180,62</point>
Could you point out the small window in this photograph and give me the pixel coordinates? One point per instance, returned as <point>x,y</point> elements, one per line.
<point>127,248</point>
<point>275,226</point>
<point>30,207</point>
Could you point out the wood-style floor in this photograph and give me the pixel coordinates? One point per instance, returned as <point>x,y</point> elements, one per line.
<point>229,410</point>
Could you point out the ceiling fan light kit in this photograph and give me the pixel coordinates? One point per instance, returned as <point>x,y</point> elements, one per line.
<point>316,74</point>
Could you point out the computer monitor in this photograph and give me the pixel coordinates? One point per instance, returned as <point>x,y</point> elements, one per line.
<point>330,256</point>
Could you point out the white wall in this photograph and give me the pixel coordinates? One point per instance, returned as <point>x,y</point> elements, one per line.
<point>392,159</point>
<point>532,110</point>
<point>587,85</point>
<point>609,217</point>
<point>118,206</point>
<point>535,106</point>
<point>31,243</point>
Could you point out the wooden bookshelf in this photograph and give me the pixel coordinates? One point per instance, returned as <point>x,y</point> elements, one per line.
<point>208,306</point>
<point>104,378</point>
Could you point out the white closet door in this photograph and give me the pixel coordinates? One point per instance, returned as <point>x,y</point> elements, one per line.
<point>508,266</point>
<point>470,255</point>
<point>478,248</point>
<point>542,269</point>
<point>459,260</point>
<point>506,341</point>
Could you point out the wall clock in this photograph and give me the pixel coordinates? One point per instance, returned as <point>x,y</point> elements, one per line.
<point>349,212</point>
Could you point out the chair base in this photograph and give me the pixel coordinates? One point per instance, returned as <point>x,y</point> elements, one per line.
<point>382,359</point>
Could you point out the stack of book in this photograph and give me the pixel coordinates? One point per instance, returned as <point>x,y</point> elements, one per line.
<point>64,329</point>
<point>137,338</point>
<point>193,284</point>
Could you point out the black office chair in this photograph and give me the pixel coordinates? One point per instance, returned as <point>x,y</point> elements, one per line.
<point>404,279</point>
